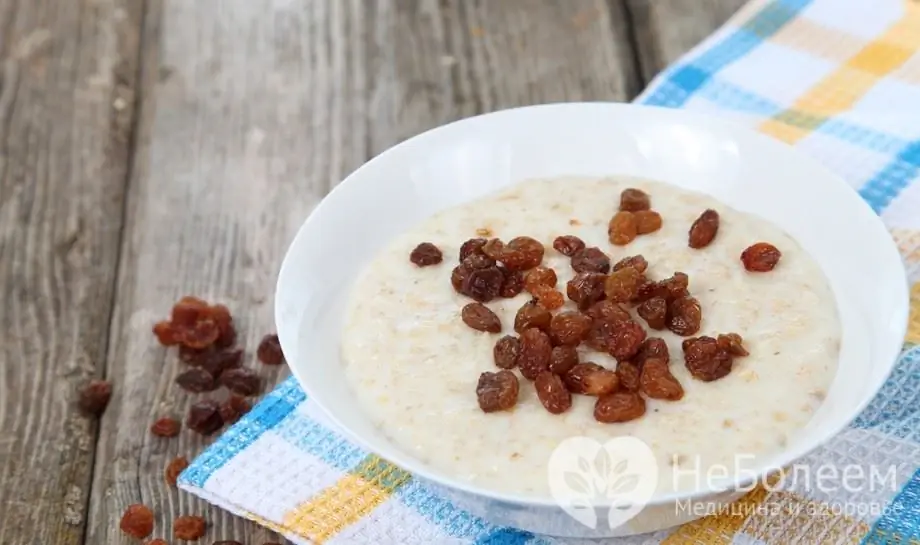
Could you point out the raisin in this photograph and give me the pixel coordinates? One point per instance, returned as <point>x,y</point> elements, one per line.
<point>233,408</point>
<point>732,343</point>
<point>478,261</point>
<point>562,358</point>
<point>569,328</point>
<point>189,528</point>
<point>166,334</point>
<point>494,249</point>
<point>705,360</point>
<point>622,228</point>
<point>637,262</point>
<point>470,247</point>
<point>657,382</point>
<point>137,521</point>
<point>227,335</point>
<point>173,469</point>
<point>458,277</point>
<point>497,391</point>
<point>549,298</point>
<point>608,311</point>
<point>506,352</point>
<point>218,361</point>
<point>539,276</point>
<point>94,397</point>
<point>668,289</point>
<point>685,316</point>
<point>269,351</point>
<point>622,286</point>
<point>202,335</point>
<point>536,349</point>
<point>480,318</point>
<point>196,380</point>
<point>426,254</point>
<point>568,245</point>
<point>652,347</point>
<point>165,427</point>
<point>704,229</point>
<point>242,381</point>
<point>654,312</point>
<point>157,542</point>
<point>194,356</point>
<point>591,259</point>
<point>512,285</point>
<point>600,334</point>
<point>187,311</point>
<point>552,393</point>
<point>647,221</point>
<point>522,253</point>
<point>761,257</point>
<point>619,407</point>
<point>532,315</point>
<point>204,417</point>
<point>633,200</point>
<point>483,285</point>
<point>590,379</point>
<point>628,374</point>
<point>586,288</point>
<point>625,340</point>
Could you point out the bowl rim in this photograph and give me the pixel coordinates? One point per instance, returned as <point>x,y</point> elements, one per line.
<point>780,460</point>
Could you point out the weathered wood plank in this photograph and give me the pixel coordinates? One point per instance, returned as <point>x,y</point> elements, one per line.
<point>67,71</point>
<point>250,114</point>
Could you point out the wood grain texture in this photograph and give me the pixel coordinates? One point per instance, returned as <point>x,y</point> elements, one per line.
<point>250,113</point>
<point>67,72</point>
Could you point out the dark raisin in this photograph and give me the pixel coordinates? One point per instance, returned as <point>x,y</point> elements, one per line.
<point>166,427</point>
<point>586,288</point>
<point>536,349</point>
<point>633,200</point>
<point>622,228</point>
<point>732,343</point>
<point>483,285</point>
<point>619,407</point>
<point>227,336</point>
<point>625,340</point>
<point>173,469</point>
<point>478,261</point>
<point>668,289</point>
<point>218,361</point>
<point>157,541</point>
<point>761,257</point>
<point>600,334</point>
<point>166,334</point>
<point>426,254</point>
<point>233,408</point>
<point>608,311</point>
<point>522,253</point>
<point>242,381</point>
<point>196,380</point>
<point>480,318</point>
<point>657,382</point>
<point>137,521</point>
<point>628,374</point>
<point>94,397</point>
<point>569,328</point>
<point>552,393</point>
<point>568,245</point>
<point>470,247</point>
<point>204,417</point>
<point>494,249</point>
<point>269,351</point>
<point>513,283</point>
<point>652,347</point>
<point>705,360</point>
<point>562,358</point>
<point>654,312</point>
<point>685,316</point>
<point>637,262</point>
<point>195,356</point>
<point>506,352</point>
<point>591,259</point>
<point>458,276</point>
<point>647,221</point>
<point>189,528</point>
<point>590,379</point>
<point>548,298</point>
<point>497,391</point>
<point>622,286</point>
<point>532,315</point>
<point>539,276</point>
<point>704,229</point>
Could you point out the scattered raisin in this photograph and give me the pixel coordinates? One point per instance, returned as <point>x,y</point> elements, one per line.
<point>552,393</point>
<point>522,253</point>
<point>426,254</point>
<point>608,311</point>
<point>494,249</point>
<point>628,374</point>
<point>619,407</point>
<point>761,257</point>
<point>137,521</point>
<point>480,318</point>
<point>625,340</point>
<point>94,397</point>
<point>497,391</point>
<point>590,379</point>
<point>704,229</point>
<point>586,288</point>
<point>227,336</point>
<point>652,347</point>
<point>569,328</point>
<point>536,349</point>
<point>590,259</point>
<point>506,352</point>
<point>189,528</point>
<point>539,276</point>
<point>196,380</point>
<point>685,316</point>
<point>233,408</point>
<point>483,285</point>
<point>647,221</point>
<point>165,427</point>
<point>218,361</point>
<point>269,351</point>
<point>470,247</point>
<point>166,334</point>
<point>622,228</point>
<point>187,311</point>
<point>549,298</point>
<point>732,343</point>
<point>633,200</point>
<point>532,315</point>
<point>201,335</point>
<point>654,312</point>
<point>204,417</point>
<point>622,286</point>
<point>568,245</point>
<point>562,358</point>
<point>512,285</point>
<point>242,380</point>
<point>657,382</point>
<point>637,262</point>
<point>705,360</point>
<point>173,469</point>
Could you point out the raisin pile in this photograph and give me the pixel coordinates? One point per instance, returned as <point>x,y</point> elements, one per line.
<point>634,218</point>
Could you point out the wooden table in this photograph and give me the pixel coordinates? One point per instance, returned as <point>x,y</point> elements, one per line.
<point>155,148</point>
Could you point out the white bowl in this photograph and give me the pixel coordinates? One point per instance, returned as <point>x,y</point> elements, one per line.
<point>467,159</point>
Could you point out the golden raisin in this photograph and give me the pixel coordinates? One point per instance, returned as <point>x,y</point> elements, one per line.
<point>704,229</point>
<point>732,343</point>
<point>591,379</point>
<point>569,328</point>
<point>657,382</point>
<point>625,340</point>
<point>637,262</point>
<point>506,352</point>
<point>552,393</point>
<point>619,407</point>
<point>684,316</point>
<point>652,347</point>
<point>522,253</point>
<point>532,315</point>
<point>548,298</point>
<point>166,427</point>
<point>622,286</point>
<point>608,311</point>
<point>536,350</point>
<point>539,276</point>
<point>654,312</point>
<point>174,468</point>
<point>647,221</point>
<point>137,521</point>
<point>189,528</point>
<point>761,257</point>
<point>622,228</point>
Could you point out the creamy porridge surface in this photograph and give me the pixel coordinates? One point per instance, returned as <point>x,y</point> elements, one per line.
<point>414,365</point>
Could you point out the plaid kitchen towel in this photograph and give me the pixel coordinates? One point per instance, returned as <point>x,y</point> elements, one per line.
<point>838,79</point>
